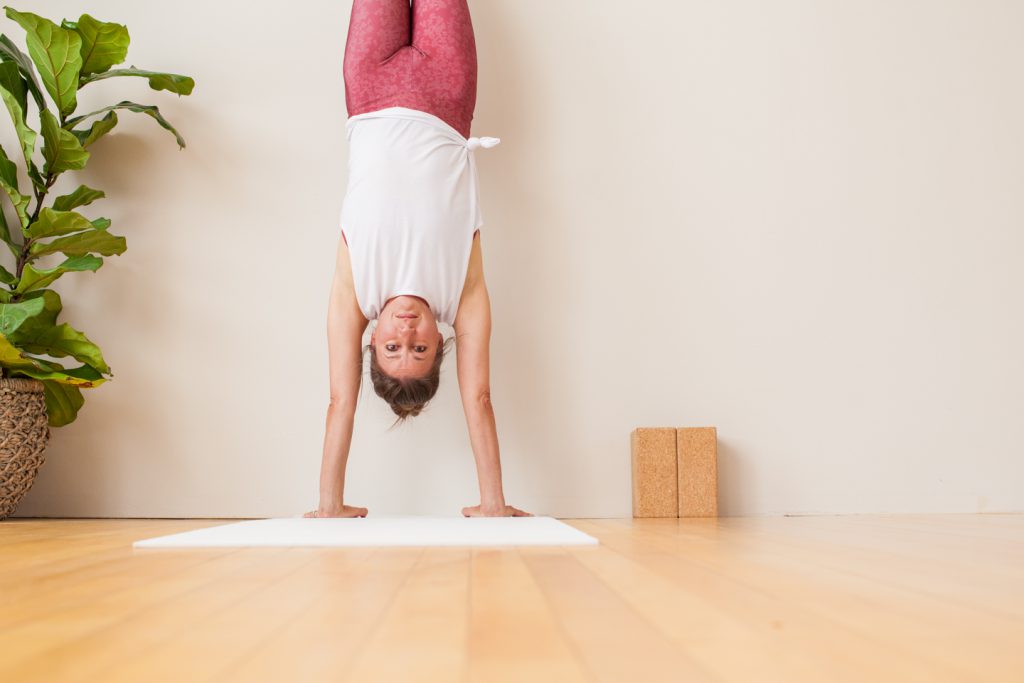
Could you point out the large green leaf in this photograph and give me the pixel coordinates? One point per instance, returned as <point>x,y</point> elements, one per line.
<point>61,149</point>
<point>56,52</point>
<point>52,304</point>
<point>158,80</point>
<point>104,44</point>
<point>84,376</point>
<point>147,109</point>
<point>63,401</point>
<point>18,364</point>
<point>11,80</point>
<point>59,341</point>
<point>82,196</point>
<point>14,315</point>
<point>11,357</point>
<point>33,279</point>
<point>9,52</point>
<point>97,130</point>
<point>87,242</point>
<point>9,183</point>
<point>26,136</point>
<point>52,223</point>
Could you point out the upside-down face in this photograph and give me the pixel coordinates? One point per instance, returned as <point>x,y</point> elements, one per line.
<point>406,337</point>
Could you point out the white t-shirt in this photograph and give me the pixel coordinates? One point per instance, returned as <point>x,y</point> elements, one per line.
<point>411,208</point>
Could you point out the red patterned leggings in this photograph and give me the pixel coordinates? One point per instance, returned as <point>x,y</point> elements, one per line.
<point>423,57</point>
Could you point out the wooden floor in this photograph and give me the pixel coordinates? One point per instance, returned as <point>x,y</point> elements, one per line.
<point>823,599</point>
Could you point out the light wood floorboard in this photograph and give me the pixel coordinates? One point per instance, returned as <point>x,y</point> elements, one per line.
<point>770,599</point>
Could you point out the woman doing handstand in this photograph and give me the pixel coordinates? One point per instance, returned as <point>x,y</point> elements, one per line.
<point>409,252</point>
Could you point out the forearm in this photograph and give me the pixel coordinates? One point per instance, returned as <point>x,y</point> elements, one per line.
<point>483,436</point>
<point>337,441</point>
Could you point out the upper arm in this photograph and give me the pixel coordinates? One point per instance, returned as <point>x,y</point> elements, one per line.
<point>345,327</point>
<point>473,331</point>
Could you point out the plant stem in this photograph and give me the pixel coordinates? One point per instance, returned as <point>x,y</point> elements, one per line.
<point>50,180</point>
<point>23,257</point>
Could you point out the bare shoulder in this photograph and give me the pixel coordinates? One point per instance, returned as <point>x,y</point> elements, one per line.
<point>474,303</point>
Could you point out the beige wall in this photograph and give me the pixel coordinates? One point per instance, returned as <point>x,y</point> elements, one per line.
<point>800,222</point>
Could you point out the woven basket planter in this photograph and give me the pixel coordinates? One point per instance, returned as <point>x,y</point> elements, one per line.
<point>24,433</point>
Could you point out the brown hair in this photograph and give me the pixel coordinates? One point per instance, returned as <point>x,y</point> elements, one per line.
<point>407,397</point>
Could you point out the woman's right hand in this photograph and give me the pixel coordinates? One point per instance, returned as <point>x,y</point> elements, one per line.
<point>345,511</point>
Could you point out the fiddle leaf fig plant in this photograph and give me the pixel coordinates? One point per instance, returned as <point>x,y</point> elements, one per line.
<point>62,59</point>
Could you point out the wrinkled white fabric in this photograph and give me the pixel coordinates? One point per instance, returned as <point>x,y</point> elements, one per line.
<point>411,208</point>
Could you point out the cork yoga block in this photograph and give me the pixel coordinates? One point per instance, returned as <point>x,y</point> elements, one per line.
<point>655,482</point>
<point>697,469</point>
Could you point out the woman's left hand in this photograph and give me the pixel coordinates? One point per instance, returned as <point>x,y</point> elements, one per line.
<point>481,511</point>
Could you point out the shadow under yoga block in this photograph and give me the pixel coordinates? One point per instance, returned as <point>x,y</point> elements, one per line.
<point>697,466</point>
<point>653,460</point>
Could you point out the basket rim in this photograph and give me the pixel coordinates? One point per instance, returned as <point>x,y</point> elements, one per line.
<point>30,384</point>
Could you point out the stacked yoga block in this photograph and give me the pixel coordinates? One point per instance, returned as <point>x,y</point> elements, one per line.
<point>675,471</point>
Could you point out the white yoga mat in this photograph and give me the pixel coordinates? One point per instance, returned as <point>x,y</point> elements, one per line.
<point>378,531</point>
